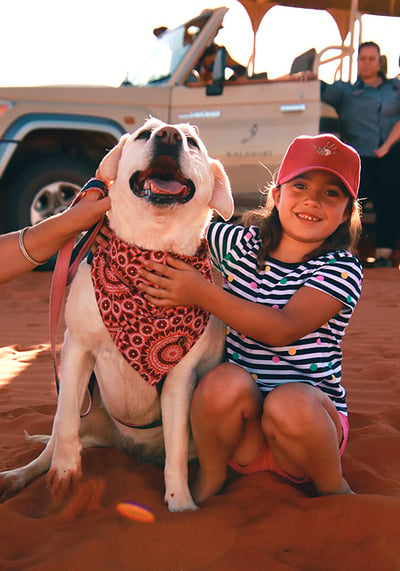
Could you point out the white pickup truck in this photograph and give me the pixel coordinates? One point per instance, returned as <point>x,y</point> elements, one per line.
<point>52,138</point>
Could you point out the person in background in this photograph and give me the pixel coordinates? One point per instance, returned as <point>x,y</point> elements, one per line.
<point>291,282</point>
<point>22,251</point>
<point>205,65</point>
<point>368,110</point>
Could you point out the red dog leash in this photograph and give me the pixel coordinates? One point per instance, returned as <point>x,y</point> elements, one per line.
<point>65,270</point>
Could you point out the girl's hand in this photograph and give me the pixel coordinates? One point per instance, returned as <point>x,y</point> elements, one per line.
<point>177,283</point>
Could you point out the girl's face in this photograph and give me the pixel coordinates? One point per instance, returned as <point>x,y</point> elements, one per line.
<point>311,207</point>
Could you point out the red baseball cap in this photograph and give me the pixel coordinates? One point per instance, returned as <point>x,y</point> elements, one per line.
<point>321,152</point>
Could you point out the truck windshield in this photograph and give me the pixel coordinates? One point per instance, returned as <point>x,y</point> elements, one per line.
<point>169,51</point>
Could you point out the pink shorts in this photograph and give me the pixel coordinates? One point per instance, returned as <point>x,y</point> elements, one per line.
<point>265,462</point>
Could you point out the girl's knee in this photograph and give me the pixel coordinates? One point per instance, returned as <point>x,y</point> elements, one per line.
<point>223,386</point>
<point>292,409</point>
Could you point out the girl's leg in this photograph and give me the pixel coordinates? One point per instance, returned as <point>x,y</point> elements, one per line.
<point>225,416</point>
<point>304,432</point>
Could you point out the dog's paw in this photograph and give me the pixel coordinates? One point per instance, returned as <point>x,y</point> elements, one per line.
<point>11,481</point>
<point>180,502</point>
<point>86,497</point>
<point>61,479</point>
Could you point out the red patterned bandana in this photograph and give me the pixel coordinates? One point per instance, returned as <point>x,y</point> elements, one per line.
<point>152,339</point>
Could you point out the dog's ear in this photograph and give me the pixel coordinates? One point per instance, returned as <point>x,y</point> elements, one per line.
<point>108,167</point>
<point>221,199</point>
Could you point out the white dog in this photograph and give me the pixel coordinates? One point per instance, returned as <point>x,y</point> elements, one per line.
<point>163,187</point>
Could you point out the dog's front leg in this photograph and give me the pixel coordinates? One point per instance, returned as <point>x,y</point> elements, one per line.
<point>175,404</point>
<point>76,367</point>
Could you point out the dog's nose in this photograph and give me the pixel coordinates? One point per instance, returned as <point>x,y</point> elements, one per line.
<point>169,136</point>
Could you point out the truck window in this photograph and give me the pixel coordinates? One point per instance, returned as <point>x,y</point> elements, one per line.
<point>170,48</point>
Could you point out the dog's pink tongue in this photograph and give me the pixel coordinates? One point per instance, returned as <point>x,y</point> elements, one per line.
<point>159,186</point>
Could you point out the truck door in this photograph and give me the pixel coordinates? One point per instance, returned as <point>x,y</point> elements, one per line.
<point>249,126</point>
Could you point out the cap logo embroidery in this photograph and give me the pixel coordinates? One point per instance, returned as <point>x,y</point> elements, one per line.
<point>327,150</point>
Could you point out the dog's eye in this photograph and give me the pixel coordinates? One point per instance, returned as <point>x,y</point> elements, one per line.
<point>192,142</point>
<point>145,135</point>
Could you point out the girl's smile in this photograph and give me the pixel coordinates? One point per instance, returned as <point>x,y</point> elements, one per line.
<point>307,217</point>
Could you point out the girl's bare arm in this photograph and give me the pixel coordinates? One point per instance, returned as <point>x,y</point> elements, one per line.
<point>307,310</point>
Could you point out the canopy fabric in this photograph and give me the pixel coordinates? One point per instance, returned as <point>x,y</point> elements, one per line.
<point>339,9</point>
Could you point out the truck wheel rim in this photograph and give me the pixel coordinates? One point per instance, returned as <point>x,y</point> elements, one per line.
<point>52,199</point>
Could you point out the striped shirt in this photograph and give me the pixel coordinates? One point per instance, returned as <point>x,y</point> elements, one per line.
<point>316,358</point>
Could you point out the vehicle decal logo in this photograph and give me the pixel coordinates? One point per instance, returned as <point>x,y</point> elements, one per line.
<point>253,133</point>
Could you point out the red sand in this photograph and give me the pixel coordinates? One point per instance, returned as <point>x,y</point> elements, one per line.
<point>259,522</point>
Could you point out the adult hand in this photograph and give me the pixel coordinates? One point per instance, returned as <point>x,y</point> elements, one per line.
<point>85,213</point>
<point>103,237</point>
<point>381,151</point>
<point>304,75</point>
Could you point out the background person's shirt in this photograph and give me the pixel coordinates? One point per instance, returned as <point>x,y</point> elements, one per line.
<point>366,114</point>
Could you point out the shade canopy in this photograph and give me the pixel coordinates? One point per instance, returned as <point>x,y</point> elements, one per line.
<point>343,11</point>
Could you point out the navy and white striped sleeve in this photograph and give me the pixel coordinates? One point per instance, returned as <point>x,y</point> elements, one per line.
<point>221,237</point>
<point>341,277</point>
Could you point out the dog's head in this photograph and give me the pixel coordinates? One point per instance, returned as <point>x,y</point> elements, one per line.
<point>162,177</point>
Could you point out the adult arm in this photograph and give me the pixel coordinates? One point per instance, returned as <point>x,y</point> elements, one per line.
<point>45,239</point>
<point>332,94</point>
<point>393,136</point>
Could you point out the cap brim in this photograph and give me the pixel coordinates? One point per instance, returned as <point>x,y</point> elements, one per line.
<point>302,170</point>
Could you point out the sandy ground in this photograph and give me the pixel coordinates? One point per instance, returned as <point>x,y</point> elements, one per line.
<point>259,521</point>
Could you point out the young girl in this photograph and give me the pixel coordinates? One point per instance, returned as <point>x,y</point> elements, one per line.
<point>291,282</point>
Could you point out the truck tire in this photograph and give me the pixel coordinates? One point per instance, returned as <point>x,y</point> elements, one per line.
<point>44,189</point>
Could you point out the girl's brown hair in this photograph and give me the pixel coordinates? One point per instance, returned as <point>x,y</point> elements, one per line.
<point>345,237</point>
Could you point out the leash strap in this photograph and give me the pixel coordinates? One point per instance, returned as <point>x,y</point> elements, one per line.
<point>65,270</point>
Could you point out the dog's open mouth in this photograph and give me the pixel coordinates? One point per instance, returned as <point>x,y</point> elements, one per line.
<point>162,183</point>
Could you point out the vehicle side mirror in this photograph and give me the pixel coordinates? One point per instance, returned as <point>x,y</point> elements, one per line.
<point>218,74</point>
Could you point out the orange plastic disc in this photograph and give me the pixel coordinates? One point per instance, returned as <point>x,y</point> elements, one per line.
<point>135,511</point>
